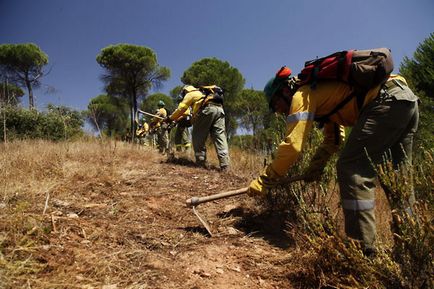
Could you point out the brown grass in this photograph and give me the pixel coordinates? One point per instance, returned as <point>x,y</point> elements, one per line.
<point>90,214</point>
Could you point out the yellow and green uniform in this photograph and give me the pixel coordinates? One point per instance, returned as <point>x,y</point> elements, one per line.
<point>142,130</point>
<point>182,141</point>
<point>192,99</point>
<point>160,128</point>
<point>386,123</point>
<point>207,118</point>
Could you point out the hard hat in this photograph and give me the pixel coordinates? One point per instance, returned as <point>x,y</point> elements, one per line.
<point>161,103</point>
<point>277,82</point>
<point>188,88</point>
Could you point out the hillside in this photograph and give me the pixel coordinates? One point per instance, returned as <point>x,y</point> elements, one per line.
<point>106,216</point>
<point>89,214</point>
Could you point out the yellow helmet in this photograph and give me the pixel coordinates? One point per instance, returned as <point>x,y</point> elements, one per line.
<point>187,88</point>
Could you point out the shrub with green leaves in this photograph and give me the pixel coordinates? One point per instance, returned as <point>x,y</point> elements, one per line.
<point>58,123</point>
<point>337,261</point>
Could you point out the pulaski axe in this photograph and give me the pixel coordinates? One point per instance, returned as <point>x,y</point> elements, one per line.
<point>195,201</point>
<point>150,114</point>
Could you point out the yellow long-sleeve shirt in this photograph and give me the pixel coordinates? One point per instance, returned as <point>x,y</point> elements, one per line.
<point>308,103</point>
<point>192,99</point>
<point>156,121</point>
<point>182,115</point>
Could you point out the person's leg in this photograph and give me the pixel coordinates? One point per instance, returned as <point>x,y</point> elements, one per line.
<point>218,134</point>
<point>160,140</point>
<point>165,140</point>
<point>178,137</point>
<point>401,154</point>
<point>201,128</point>
<point>185,140</point>
<point>380,127</point>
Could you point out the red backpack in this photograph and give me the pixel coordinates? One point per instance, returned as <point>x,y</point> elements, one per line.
<point>363,69</point>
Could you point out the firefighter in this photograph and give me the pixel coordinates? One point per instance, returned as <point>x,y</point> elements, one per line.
<point>160,128</point>
<point>385,123</point>
<point>142,132</point>
<point>208,117</point>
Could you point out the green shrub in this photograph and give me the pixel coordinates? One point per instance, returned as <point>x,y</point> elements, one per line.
<point>337,261</point>
<point>56,124</point>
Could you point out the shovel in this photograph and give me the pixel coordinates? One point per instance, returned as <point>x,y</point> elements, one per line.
<point>195,201</point>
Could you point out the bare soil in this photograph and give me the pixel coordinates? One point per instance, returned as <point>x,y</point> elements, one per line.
<point>122,222</point>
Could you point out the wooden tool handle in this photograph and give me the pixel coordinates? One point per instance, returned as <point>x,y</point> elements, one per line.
<point>199,200</point>
<point>194,201</point>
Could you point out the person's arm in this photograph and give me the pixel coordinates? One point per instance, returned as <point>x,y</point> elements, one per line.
<point>299,125</point>
<point>189,100</point>
<point>334,136</point>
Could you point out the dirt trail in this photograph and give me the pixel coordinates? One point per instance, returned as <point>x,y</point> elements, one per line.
<point>136,232</point>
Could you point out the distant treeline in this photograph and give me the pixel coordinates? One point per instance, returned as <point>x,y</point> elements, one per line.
<point>131,71</point>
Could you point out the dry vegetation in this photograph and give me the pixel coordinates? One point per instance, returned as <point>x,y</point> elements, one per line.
<point>110,215</point>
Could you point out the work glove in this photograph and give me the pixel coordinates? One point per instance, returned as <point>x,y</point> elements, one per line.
<point>317,165</point>
<point>168,120</point>
<point>260,186</point>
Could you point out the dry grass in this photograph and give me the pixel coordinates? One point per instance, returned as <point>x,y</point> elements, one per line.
<point>44,188</point>
<point>90,214</point>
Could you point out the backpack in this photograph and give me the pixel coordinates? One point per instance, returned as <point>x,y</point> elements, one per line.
<point>362,69</point>
<point>212,93</point>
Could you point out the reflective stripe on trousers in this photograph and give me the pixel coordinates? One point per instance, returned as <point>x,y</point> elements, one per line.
<point>358,205</point>
<point>385,126</point>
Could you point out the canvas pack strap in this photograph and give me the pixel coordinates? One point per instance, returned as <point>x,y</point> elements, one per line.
<point>360,98</point>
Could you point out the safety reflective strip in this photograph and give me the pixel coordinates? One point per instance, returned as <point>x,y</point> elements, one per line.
<point>358,205</point>
<point>300,116</point>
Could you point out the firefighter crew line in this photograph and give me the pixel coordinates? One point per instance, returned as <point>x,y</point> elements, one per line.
<point>385,110</point>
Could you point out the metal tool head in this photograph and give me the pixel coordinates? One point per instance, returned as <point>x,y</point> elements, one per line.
<point>202,220</point>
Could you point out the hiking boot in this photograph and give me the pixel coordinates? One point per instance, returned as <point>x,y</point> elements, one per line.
<point>370,252</point>
<point>203,164</point>
<point>224,169</point>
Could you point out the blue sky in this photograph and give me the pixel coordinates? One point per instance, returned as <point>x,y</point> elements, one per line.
<point>254,36</point>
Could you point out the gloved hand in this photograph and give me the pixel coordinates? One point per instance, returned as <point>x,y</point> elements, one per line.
<point>317,165</point>
<point>260,186</point>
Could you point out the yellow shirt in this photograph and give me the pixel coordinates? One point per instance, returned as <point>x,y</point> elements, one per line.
<point>182,115</point>
<point>156,121</point>
<point>192,99</point>
<point>308,103</point>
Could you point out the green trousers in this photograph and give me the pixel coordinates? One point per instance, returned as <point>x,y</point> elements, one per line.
<point>210,120</point>
<point>385,126</point>
<point>182,141</point>
<point>162,139</point>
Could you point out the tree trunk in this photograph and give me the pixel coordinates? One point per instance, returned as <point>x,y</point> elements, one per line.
<point>4,112</point>
<point>94,118</point>
<point>132,123</point>
<point>133,115</point>
<point>30,90</point>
